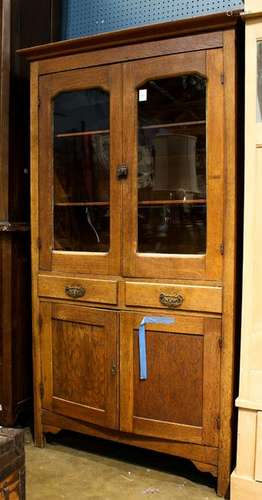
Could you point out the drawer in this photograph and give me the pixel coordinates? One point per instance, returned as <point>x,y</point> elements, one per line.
<point>169,296</point>
<point>81,289</point>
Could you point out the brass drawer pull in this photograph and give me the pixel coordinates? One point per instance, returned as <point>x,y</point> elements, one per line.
<point>75,291</point>
<point>171,301</point>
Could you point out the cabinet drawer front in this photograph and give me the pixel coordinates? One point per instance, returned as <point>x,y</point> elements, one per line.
<point>167,296</point>
<point>83,289</point>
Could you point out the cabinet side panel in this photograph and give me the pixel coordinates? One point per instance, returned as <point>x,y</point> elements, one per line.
<point>229,272</point>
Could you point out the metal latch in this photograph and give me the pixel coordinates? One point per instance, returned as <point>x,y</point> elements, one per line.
<point>122,172</point>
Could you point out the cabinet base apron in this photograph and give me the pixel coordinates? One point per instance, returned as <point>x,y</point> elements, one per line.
<point>205,458</point>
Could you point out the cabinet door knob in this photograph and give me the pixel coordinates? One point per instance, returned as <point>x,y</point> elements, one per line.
<point>171,301</point>
<point>122,172</point>
<point>114,368</point>
<point>75,292</point>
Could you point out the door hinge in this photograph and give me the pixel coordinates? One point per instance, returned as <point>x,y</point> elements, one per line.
<point>39,103</point>
<point>222,78</point>
<point>221,342</point>
<point>218,423</point>
<point>222,248</point>
<point>40,321</point>
<point>42,391</point>
<point>39,244</point>
<point>1,407</point>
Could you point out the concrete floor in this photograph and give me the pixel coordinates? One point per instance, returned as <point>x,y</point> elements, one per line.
<point>78,467</point>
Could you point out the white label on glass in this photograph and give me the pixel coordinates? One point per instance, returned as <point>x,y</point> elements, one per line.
<point>142,95</point>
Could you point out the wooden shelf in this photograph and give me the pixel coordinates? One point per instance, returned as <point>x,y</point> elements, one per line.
<point>145,127</point>
<point>171,125</point>
<point>172,202</point>
<point>82,204</point>
<point>79,134</point>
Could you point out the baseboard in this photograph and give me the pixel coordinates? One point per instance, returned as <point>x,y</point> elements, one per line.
<point>244,488</point>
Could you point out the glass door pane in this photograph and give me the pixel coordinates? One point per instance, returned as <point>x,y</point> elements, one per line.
<point>174,148</point>
<point>171,172</point>
<point>80,136</point>
<point>81,171</point>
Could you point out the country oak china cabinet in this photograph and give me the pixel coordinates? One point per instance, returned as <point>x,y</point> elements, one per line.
<point>133,238</point>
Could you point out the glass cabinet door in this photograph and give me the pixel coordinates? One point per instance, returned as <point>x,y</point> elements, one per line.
<point>173,126</point>
<point>80,148</point>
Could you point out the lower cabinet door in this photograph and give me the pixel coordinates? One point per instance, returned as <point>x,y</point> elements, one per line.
<point>79,362</point>
<point>179,399</point>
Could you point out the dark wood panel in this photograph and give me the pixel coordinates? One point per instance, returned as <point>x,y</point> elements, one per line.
<point>183,366</point>
<point>15,325</point>
<point>175,377</point>
<point>30,24</point>
<point>22,23</point>
<point>79,363</point>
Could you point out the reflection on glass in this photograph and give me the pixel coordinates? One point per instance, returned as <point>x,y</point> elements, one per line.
<point>172,166</point>
<point>81,228</point>
<point>172,229</point>
<point>81,168</point>
<point>259,81</point>
<point>81,171</point>
<point>81,111</point>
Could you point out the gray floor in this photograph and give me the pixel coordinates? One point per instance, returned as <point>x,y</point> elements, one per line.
<point>78,467</point>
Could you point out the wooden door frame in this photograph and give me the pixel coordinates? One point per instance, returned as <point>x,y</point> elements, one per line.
<point>108,319</point>
<point>208,266</point>
<point>210,329</point>
<point>79,262</point>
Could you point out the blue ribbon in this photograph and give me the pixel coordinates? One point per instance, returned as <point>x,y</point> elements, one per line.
<point>142,339</point>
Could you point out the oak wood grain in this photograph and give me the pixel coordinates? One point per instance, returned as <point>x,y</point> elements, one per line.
<point>204,454</point>
<point>229,273</point>
<point>129,52</point>
<point>96,290</point>
<point>169,368</point>
<point>79,362</point>
<point>195,298</point>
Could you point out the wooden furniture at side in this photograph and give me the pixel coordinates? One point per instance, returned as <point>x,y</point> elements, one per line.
<point>12,464</point>
<point>133,216</point>
<point>17,29</point>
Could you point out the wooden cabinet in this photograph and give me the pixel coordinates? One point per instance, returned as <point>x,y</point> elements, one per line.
<point>17,30</point>
<point>79,360</point>
<point>180,397</point>
<point>133,217</point>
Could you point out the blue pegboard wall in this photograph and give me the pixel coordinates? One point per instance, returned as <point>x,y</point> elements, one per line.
<point>87,17</point>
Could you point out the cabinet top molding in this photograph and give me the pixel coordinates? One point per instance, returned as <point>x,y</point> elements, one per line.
<point>132,36</point>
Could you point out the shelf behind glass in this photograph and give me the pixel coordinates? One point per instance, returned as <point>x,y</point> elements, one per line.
<point>82,204</point>
<point>79,134</point>
<point>172,229</point>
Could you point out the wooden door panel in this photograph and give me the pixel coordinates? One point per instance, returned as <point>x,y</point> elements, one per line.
<point>181,392</point>
<point>79,348</point>
<point>80,211</point>
<point>154,244</point>
<point>180,398</point>
<point>79,381</point>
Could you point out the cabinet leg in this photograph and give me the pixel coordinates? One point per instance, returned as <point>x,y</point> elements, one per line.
<point>39,437</point>
<point>223,478</point>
